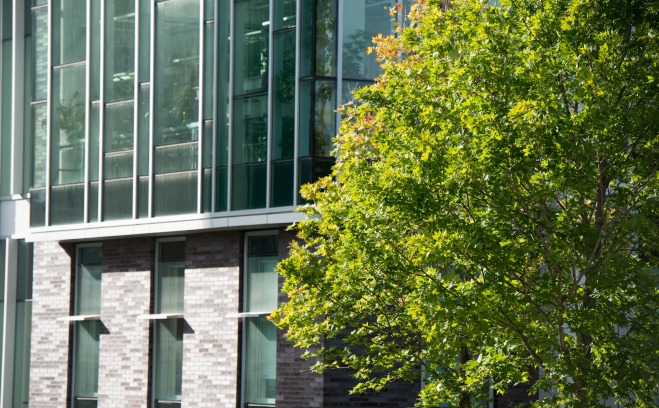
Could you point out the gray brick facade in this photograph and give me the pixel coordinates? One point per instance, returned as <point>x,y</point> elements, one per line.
<point>50,334</point>
<point>124,347</point>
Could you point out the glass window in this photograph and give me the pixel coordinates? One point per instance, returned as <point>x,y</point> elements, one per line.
<point>362,21</point>
<point>5,117</point>
<point>69,31</point>
<point>283,118</point>
<point>260,335</point>
<point>324,118</point>
<point>168,333</point>
<point>252,26</point>
<point>40,57</point>
<point>248,186</point>
<point>175,193</point>
<point>326,38</point>
<point>87,301</point>
<point>119,50</point>
<point>21,372</point>
<point>66,204</point>
<point>250,140</point>
<point>68,125</point>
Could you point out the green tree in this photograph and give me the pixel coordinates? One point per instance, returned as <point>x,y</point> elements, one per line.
<point>493,209</point>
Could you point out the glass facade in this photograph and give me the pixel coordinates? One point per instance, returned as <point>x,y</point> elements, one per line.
<point>23,325</point>
<point>168,332</point>
<point>87,302</point>
<point>141,109</point>
<point>260,335</point>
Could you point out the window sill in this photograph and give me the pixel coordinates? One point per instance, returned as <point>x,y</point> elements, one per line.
<point>80,318</point>
<point>161,316</point>
<point>243,315</point>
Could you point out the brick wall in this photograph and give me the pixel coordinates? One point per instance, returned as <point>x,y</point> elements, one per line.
<point>211,340</point>
<point>50,334</point>
<point>124,346</point>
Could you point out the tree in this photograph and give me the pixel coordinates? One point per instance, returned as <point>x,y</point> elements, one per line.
<point>493,209</point>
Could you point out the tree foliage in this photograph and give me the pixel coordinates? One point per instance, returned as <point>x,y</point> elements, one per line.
<point>493,209</point>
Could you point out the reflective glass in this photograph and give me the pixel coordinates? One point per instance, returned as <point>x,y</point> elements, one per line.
<point>68,125</point>
<point>222,188</point>
<point>206,192</point>
<point>94,126</point>
<point>306,40</point>
<point>22,343</point>
<point>261,282</point>
<point>118,134</point>
<point>175,193</point>
<point>176,158</point>
<point>177,77</point>
<point>251,46</point>
<point>70,26</point>
<point>7,21</point>
<point>209,47</point>
<point>38,130</point>
<point>348,87</point>
<point>168,360</point>
<point>363,20</point>
<point>28,138</point>
<point>40,57</point>
<point>223,99</point>
<point>170,283</point>
<point>118,198</point>
<point>88,282</point>
<point>284,14</point>
<point>283,118</point>
<point>144,41</point>
<point>37,207</point>
<point>119,50</point>
<point>92,211</point>
<point>95,58</point>
<point>86,359</point>
<point>248,186</point>
<point>66,204</point>
<point>143,130</point>
<point>260,362</point>
<point>324,118</point>
<point>326,38</point>
<point>305,119</point>
<point>6,118</point>
<point>143,197</point>
<point>118,165</point>
<point>250,130</point>
<point>283,181</point>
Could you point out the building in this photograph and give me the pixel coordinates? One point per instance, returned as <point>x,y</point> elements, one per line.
<point>150,158</point>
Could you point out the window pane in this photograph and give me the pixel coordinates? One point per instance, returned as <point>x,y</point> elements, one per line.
<point>37,207</point>
<point>143,130</point>
<point>6,118</point>
<point>284,96</point>
<point>251,46</point>
<point>143,197</point>
<point>38,130</point>
<point>88,285</point>
<point>262,257</point>
<point>119,50</point>
<point>95,58</point>
<point>85,359</point>
<point>176,158</point>
<point>40,58</point>
<point>69,31</point>
<point>362,22</point>
<point>170,287</point>
<point>145,41</point>
<point>248,187</point>
<point>118,133</point>
<point>284,14</point>
<point>250,134</point>
<point>326,38</point>
<point>94,126</point>
<point>209,48</point>
<point>22,353</point>
<point>306,42</point>
<point>118,198</point>
<point>92,212</point>
<point>118,165</point>
<point>325,118</point>
<point>66,204</point>
<point>175,193</point>
<point>283,180</point>
<point>168,360</point>
<point>177,76</point>
<point>68,125</point>
<point>260,361</point>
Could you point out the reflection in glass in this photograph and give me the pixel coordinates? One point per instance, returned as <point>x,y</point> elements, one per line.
<point>251,46</point>
<point>70,31</point>
<point>175,193</point>
<point>324,118</point>
<point>283,118</point>
<point>118,198</point>
<point>68,125</point>
<point>66,204</point>
<point>248,186</point>
<point>361,22</point>
<point>326,38</point>
<point>119,50</point>
<point>250,131</point>
<point>40,58</point>
<point>260,366</point>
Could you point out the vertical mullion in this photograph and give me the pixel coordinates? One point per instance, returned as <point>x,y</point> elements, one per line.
<point>268,160</point>
<point>232,63</point>
<point>200,107</point>
<point>216,44</point>
<point>136,103</point>
<point>152,52</point>
<point>296,103</point>
<point>49,102</point>
<point>101,115</point>
<point>85,207</point>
